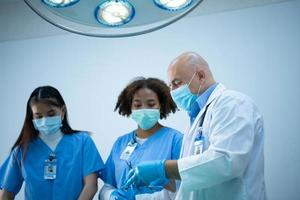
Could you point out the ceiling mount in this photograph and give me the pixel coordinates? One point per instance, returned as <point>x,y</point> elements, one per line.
<point>112,18</point>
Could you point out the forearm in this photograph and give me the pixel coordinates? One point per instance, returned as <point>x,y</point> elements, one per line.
<point>88,192</point>
<point>5,195</point>
<point>210,169</point>
<point>172,171</point>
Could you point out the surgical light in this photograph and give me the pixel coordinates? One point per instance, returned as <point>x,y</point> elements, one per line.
<point>172,5</point>
<point>112,18</point>
<point>60,3</point>
<point>114,13</point>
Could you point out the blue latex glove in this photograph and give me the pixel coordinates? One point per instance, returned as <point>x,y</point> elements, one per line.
<point>145,173</point>
<point>120,194</point>
<point>154,186</point>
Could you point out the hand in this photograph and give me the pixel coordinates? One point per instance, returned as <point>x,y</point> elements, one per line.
<point>154,186</point>
<point>120,194</point>
<point>145,173</point>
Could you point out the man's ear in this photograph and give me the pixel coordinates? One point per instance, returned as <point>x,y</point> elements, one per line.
<point>201,76</point>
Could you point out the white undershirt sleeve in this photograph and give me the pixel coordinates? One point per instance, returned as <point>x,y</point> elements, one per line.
<point>106,191</point>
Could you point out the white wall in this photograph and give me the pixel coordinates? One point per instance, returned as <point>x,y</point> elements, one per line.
<point>255,51</point>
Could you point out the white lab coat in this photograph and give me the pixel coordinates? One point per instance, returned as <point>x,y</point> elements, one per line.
<point>231,167</point>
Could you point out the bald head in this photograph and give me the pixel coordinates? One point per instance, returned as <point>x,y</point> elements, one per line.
<point>189,61</point>
<point>191,68</point>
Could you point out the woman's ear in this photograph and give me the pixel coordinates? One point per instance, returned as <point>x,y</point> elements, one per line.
<point>63,112</point>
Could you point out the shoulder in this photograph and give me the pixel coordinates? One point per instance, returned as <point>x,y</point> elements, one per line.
<point>124,139</point>
<point>234,98</point>
<point>17,152</point>
<point>14,157</point>
<point>172,132</point>
<point>234,101</point>
<point>82,136</point>
<point>234,95</point>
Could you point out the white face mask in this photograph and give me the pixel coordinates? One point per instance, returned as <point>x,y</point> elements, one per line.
<point>48,125</point>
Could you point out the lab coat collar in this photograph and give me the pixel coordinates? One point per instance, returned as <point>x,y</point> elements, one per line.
<point>190,136</point>
<point>216,92</point>
<point>201,102</point>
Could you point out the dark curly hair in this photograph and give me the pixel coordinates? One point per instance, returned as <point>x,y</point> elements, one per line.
<point>158,86</point>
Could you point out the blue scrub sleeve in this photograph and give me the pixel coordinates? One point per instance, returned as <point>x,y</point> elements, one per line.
<point>108,174</point>
<point>92,161</point>
<point>176,146</point>
<point>11,178</point>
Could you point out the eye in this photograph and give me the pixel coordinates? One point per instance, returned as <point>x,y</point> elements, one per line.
<point>136,105</point>
<point>51,113</point>
<point>175,84</point>
<point>152,105</point>
<point>37,116</point>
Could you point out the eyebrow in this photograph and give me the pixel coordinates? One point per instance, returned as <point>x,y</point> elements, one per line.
<point>49,111</point>
<point>151,100</point>
<point>148,100</point>
<point>136,100</point>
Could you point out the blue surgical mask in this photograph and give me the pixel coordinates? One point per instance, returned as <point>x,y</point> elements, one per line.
<point>183,97</point>
<point>145,118</point>
<point>48,125</point>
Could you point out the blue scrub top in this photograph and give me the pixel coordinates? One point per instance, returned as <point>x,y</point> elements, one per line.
<point>164,144</point>
<point>77,157</point>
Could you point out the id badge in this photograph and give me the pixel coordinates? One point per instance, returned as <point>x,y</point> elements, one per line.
<point>198,147</point>
<point>128,151</point>
<point>50,168</point>
<point>199,142</point>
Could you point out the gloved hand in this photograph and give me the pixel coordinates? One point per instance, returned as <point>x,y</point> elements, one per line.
<point>154,186</point>
<point>120,194</point>
<point>145,173</point>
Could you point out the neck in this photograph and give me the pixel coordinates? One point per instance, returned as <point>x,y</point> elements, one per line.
<point>211,82</point>
<point>51,137</point>
<point>147,133</point>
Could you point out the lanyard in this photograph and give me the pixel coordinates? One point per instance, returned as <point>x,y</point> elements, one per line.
<point>199,139</point>
<point>128,151</point>
<point>50,166</point>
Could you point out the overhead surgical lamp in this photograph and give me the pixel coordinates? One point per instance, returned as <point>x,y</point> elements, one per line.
<point>112,18</point>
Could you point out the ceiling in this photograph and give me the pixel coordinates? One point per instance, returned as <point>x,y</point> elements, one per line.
<point>23,23</point>
<point>8,1</point>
